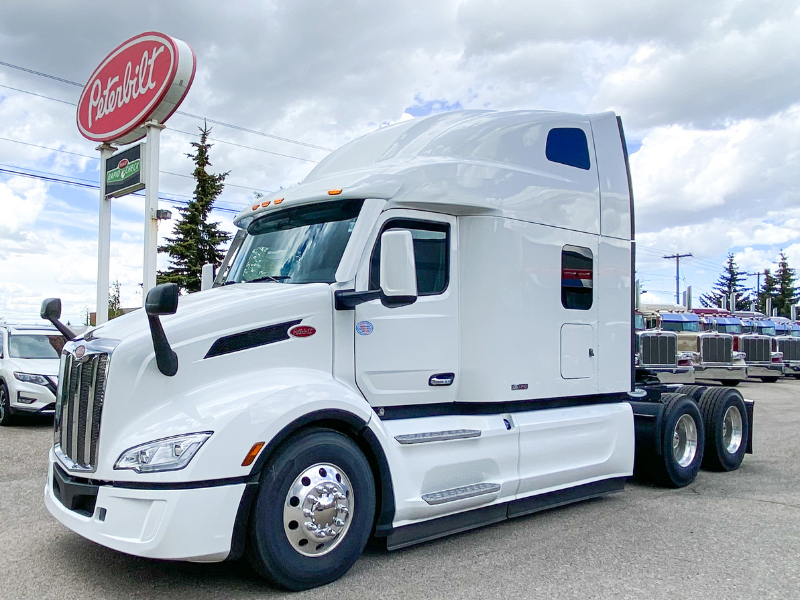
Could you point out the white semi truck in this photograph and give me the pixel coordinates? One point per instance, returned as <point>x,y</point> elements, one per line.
<point>431,333</point>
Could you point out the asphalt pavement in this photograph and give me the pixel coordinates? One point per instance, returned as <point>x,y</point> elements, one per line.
<point>728,535</point>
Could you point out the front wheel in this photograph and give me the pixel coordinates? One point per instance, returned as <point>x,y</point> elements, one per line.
<point>769,379</point>
<point>314,511</point>
<point>5,405</point>
<point>730,382</point>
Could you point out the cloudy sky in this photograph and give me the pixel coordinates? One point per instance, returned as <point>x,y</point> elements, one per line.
<point>709,93</point>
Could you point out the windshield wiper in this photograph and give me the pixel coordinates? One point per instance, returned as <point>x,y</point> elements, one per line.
<point>275,278</point>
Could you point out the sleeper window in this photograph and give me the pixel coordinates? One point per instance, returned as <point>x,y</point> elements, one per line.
<point>577,275</point>
<point>431,250</point>
<point>568,146</point>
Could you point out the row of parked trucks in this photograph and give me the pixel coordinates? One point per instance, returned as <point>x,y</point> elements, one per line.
<point>711,344</point>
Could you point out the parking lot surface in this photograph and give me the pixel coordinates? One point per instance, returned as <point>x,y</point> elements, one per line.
<point>728,535</point>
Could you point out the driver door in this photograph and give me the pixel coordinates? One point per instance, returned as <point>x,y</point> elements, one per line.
<point>409,355</point>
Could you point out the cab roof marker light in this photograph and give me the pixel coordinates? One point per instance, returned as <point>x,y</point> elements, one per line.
<point>278,201</point>
<point>265,204</point>
<point>251,456</point>
<point>335,192</point>
<point>254,207</point>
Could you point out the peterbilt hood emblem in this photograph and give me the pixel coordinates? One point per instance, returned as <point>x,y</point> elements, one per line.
<point>80,351</point>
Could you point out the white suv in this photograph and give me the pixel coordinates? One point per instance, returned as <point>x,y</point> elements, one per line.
<point>29,360</point>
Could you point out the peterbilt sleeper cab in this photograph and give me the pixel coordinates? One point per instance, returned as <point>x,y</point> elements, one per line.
<point>657,350</point>
<point>432,332</point>
<point>787,342</point>
<point>758,343</point>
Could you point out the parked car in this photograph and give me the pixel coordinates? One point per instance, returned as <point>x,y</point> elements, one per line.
<point>29,360</point>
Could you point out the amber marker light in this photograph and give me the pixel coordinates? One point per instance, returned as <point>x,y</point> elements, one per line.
<point>334,192</point>
<point>251,456</point>
<point>265,204</point>
<point>254,207</point>
<point>278,201</point>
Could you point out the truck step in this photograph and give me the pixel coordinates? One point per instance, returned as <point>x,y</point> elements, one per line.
<point>438,436</point>
<point>460,493</point>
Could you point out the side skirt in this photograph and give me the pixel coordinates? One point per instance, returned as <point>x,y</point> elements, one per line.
<point>436,528</point>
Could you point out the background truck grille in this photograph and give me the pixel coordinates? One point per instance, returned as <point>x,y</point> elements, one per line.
<point>659,349</point>
<point>80,405</point>
<point>790,349</point>
<point>757,349</point>
<point>716,349</point>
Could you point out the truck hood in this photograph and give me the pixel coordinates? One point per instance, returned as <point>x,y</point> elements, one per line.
<point>142,404</point>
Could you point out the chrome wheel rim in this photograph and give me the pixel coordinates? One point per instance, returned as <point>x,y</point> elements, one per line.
<point>684,441</point>
<point>318,509</point>
<point>732,431</point>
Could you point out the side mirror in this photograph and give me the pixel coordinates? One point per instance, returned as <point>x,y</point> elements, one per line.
<point>51,310</point>
<point>207,277</point>
<point>398,269</point>
<point>162,300</point>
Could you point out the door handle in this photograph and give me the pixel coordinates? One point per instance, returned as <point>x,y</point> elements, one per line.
<point>441,379</point>
<point>591,352</point>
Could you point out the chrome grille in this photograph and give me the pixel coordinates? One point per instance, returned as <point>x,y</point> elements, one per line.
<point>716,349</point>
<point>757,349</point>
<point>79,408</point>
<point>659,349</point>
<point>790,348</point>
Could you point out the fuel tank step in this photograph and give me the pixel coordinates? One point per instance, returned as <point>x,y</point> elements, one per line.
<point>438,436</point>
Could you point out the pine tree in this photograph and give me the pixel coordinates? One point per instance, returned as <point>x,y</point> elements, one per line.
<point>786,295</point>
<point>731,279</point>
<point>196,240</point>
<point>768,290</point>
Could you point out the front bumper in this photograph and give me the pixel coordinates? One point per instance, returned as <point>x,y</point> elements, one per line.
<point>791,368</point>
<point>765,370</point>
<point>21,394</point>
<point>673,374</point>
<point>194,524</point>
<point>720,372</point>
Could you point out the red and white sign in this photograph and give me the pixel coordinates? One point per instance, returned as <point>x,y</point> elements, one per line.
<point>143,79</point>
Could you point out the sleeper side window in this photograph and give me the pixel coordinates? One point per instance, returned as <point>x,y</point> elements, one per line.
<point>431,254</point>
<point>568,146</point>
<point>577,277</point>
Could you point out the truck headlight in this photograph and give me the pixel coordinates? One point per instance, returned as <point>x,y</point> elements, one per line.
<point>169,454</point>
<point>30,378</point>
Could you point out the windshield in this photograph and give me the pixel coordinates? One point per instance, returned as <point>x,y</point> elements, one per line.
<point>680,325</point>
<point>795,332</point>
<point>770,331</point>
<point>729,328</point>
<point>296,245</point>
<point>35,346</point>
<point>639,322</point>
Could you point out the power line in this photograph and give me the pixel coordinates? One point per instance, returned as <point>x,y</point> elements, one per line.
<point>179,112</point>
<point>97,187</point>
<point>244,187</point>
<point>171,129</point>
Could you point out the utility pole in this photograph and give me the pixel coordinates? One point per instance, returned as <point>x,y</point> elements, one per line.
<point>677,258</point>
<point>758,286</point>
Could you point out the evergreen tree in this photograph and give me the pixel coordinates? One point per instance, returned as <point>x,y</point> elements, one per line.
<point>731,279</point>
<point>196,240</point>
<point>786,294</point>
<point>114,302</point>
<point>768,290</point>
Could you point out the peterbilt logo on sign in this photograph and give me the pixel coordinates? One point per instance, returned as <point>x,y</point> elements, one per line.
<point>145,78</point>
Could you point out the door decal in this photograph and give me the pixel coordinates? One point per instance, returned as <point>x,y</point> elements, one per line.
<point>364,328</point>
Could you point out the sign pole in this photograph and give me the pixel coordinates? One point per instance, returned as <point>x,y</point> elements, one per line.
<point>103,239</point>
<point>151,206</point>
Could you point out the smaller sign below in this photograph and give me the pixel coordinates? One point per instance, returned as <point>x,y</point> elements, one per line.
<point>125,171</point>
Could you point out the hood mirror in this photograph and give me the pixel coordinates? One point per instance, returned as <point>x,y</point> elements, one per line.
<point>162,300</point>
<point>51,310</point>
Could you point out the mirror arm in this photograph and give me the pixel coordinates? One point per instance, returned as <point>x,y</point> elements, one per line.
<point>349,299</point>
<point>166,359</point>
<point>65,331</point>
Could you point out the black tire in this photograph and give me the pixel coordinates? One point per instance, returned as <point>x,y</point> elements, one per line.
<point>693,391</point>
<point>769,379</point>
<point>713,406</point>
<point>269,549</point>
<point>666,469</point>
<point>5,405</point>
<point>729,382</point>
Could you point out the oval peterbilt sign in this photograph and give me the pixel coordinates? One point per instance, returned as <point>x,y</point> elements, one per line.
<point>143,79</point>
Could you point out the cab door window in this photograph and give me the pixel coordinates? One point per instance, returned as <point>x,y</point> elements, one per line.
<point>431,254</point>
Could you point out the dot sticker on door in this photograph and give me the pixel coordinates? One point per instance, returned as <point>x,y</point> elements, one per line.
<point>364,328</point>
